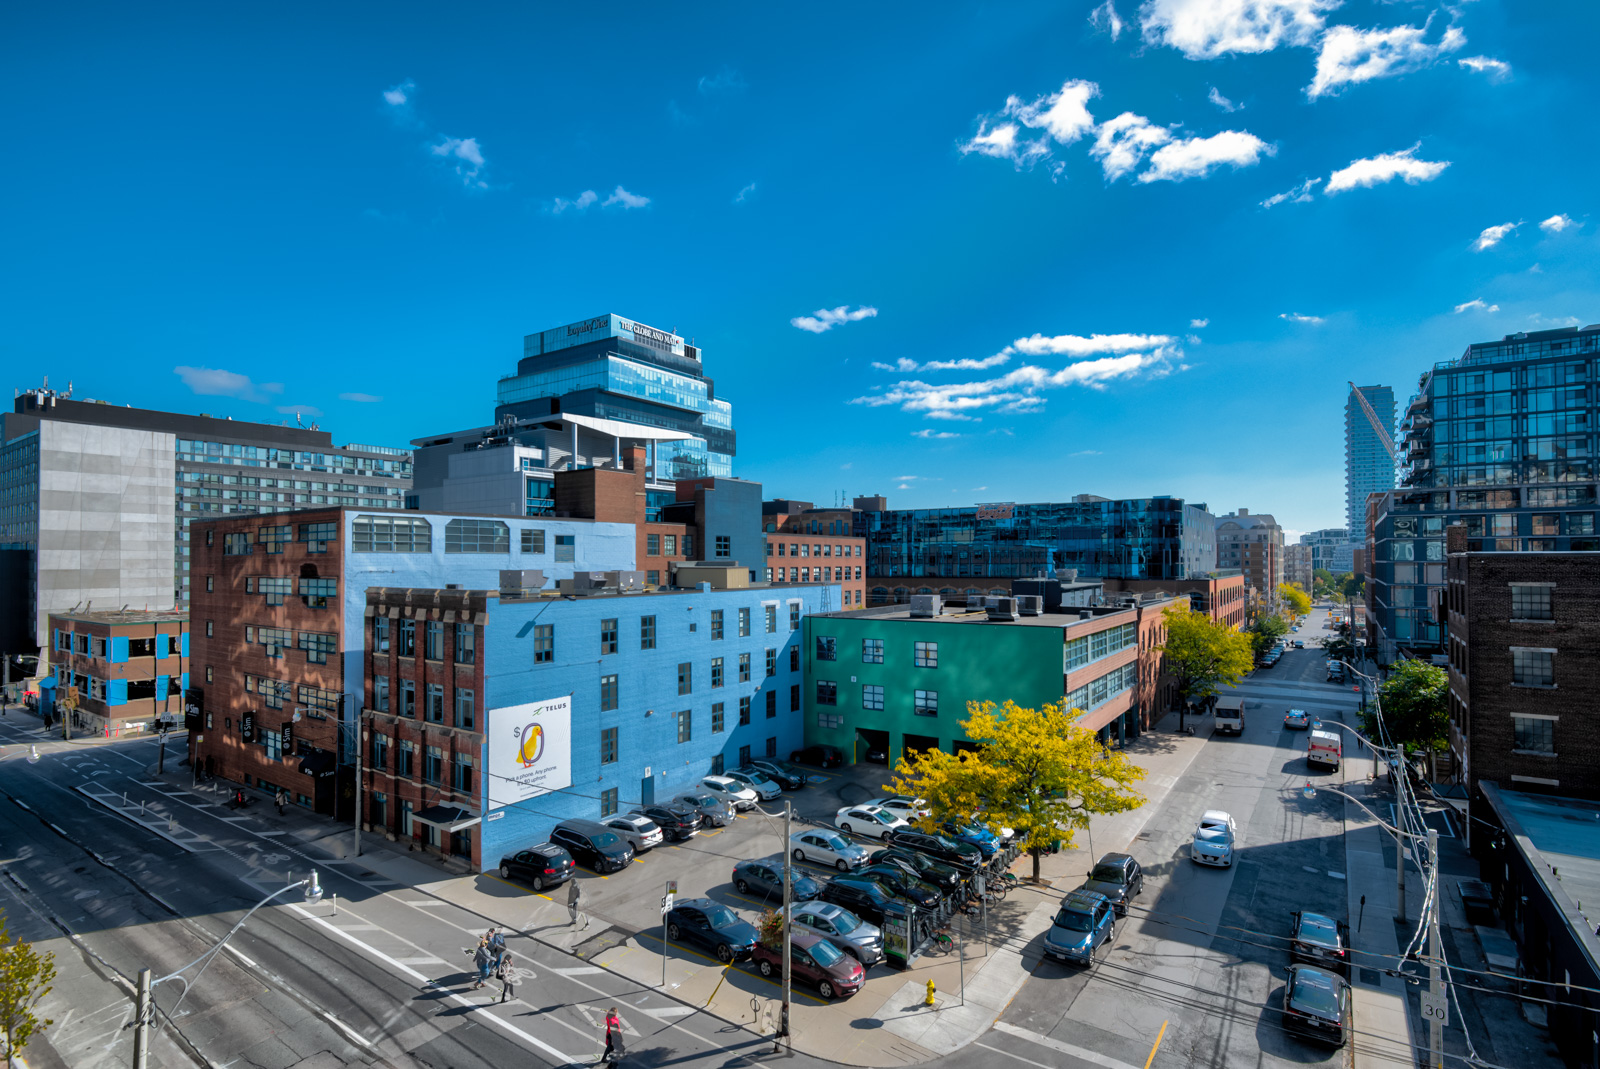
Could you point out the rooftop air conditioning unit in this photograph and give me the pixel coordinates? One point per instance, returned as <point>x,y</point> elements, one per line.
<point>1030,604</point>
<point>521,581</point>
<point>1067,575</point>
<point>1002,608</point>
<point>925,605</point>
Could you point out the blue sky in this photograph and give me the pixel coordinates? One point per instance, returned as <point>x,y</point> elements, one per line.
<point>1148,244</point>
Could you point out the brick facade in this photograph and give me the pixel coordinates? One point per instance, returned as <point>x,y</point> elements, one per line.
<point>127,668</point>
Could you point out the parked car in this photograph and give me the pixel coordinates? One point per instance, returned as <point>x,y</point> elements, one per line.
<point>1119,878</point>
<point>869,821</point>
<point>865,898</point>
<point>1316,1004</point>
<point>1084,921</point>
<point>903,806</point>
<point>639,832</point>
<point>785,775</point>
<point>919,893</point>
<point>821,756</point>
<point>987,842</point>
<point>1297,718</point>
<point>878,755</point>
<point>1320,940</point>
<point>962,855</point>
<point>715,811</point>
<point>765,877</point>
<point>945,877</point>
<point>1299,644</point>
<point>839,926</point>
<point>1213,839</point>
<point>765,786</point>
<point>1323,748</point>
<point>827,847</point>
<point>542,866</point>
<point>678,822</point>
<point>593,844</point>
<point>711,925</point>
<point>813,960</point>
<point>731,791</point>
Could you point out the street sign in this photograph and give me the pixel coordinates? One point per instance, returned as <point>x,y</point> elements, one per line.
<point>672,887</point>
<point>1436,1006</point>
<point>667,903</point>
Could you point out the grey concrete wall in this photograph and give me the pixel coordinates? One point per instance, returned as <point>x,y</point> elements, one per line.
<point>106,523</point>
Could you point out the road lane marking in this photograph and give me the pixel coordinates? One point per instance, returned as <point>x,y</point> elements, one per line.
<point>1157,1047</point>
<point>1082,1053</point>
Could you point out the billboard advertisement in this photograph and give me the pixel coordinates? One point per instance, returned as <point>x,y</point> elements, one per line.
<point>530,750</point>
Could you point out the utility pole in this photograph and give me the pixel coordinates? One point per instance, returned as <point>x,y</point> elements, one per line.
<point>1440,1007</point>
<point>788,862</point>
<point>141,1021</point>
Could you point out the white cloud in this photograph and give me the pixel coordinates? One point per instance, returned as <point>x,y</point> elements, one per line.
<point>744,193</point>
<point>468,157</point>
<point>1199,324</point>
<point>1086,453</point>
<point>1221,101</point>
<point>726,80</point>
<point>1300,194</point>
<point>927,432</point>
<point>1385,168</point>
<point>579,203</point>
<point>1206,29</point>
<point>967,364</point>
<point>1077,345</point>
<point>1296,317</point>
<point>1540,322</point>
<point>1064,116</point>
<point>1348,55</point>
<point>400,95</point>
<point>299,410</point>
<point>1557,223</point>
<point>1492,236</point>
<point>825,319</point>
<point>1197,157</point>
<point>214,382</point>
<point>902,364</point>
<point>627,200</point>
<point>1476,305</point>
<point>1498,70</point>
<point>361,398</point>
<point>1122,143</point>
<point>1105,19</point>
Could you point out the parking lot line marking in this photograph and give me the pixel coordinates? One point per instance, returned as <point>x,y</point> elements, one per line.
<point>1081,1053</point>
<point>1157,1047</point>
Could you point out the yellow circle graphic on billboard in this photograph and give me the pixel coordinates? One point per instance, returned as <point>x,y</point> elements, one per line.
<point>532,745</point>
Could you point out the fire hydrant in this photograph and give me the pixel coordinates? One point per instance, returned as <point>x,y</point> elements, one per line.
<point>928,1000</point>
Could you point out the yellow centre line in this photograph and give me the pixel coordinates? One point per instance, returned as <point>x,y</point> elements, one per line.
<point>1157,1047</point>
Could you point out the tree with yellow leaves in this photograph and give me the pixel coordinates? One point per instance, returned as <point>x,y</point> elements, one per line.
<point>1037,771</point>
<point>1294,598</point>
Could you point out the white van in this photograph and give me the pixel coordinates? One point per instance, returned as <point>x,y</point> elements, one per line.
<point>1324,748</point>
<point>1230,715</point>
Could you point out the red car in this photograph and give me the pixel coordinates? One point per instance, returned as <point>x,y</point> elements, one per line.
<point>812,960</point>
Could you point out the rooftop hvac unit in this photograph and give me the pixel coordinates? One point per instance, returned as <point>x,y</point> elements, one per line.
<point>925,605</point>
<point>1002,608</point>
<point>1067,575</point>
<point>521,581</point>
<point>1030,604</point>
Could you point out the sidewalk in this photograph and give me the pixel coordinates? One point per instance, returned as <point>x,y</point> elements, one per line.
<point>886,1024</point>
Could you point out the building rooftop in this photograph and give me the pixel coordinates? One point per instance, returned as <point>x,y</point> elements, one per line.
<point>979,616</point>
<point>1564,834</point>
<point>125,616</point>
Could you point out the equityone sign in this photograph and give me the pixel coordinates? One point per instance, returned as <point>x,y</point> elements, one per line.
<point>530,750</point>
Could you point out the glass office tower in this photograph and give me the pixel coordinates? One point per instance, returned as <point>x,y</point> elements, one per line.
<point>1501,440</point>
<point>615,368</point>
<point>1368,467</point>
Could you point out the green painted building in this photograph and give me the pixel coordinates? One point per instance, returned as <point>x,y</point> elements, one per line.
<point>880,677</point>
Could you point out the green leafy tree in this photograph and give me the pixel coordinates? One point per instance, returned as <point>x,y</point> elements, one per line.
<point>1265,633</point>
<point>1352,586</point>
<point>1294,598</point>
<point>1036,771</point>
<point>1339,648</point>
<point>1322,576</point>
<point>1203,654</point>
<point>1416,710</point>
<point>26,977</point>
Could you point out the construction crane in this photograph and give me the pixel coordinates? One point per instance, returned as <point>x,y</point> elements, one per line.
<point>1377,424</point>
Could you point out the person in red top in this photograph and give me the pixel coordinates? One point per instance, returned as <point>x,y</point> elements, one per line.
<point>613,1036</point>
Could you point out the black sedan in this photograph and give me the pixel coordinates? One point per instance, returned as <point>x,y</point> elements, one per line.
<point>783,773</point>
<point>1316,1004</point>
<point>907,888</point>
<point>878,755</point>
<point>711,925</point>
<point>947,878</point>
<point>1320,940</point>
<point>961,855</point>
<point>765,878</point>
<point>675,822</point>
<point>821,756</point>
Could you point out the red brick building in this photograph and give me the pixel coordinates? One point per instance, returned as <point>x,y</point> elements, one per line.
<point>122,669</point>
<point>1224,597</point>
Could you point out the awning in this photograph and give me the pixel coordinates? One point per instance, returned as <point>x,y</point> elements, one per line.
<point>446,817</point>
<point>317,763</point>
<point>622,429</point>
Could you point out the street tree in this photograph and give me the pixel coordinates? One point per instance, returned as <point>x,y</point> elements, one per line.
<point>1203,654</point>
<point>1415,703</point>
<point>1265,633</point>
<point>1036,771</point>
<point>26,976</point>
<point>1352,586</point>
<point>1295,598</point>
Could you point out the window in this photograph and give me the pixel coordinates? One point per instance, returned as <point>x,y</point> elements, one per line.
<point>827,648</point>
<point>273,638</point>
<point>390,534</point>
<point>647,632</point>
<point>669,545</point>
<point>211,584</point>
<point>794,698</point>
<point>236,545</point>
<point>466,644</point>
<point>433,765</point>
<point>688,545</point>
<point>316,536</point>
<point>433,640</point>
<point>652,545</point>
<point>272,588</point>
<point>744,668</point>
<point>830,720</point>
<point>408,699</point>
<point>608,802</point>
<point>684,732</point>
<point>871,696</point>
<point>927,703</point>
<point>872,651</point>
<point>314,593</point>
<point>407,646</point>
<point>209,533</point>
<point>685,678</point>
<point>772,619</point>
<point>380,752</point>
<point>211,676</point>
<point>1534,734</point>
<point>794,657</point>
<point>1532,601</point>
<point>744,623</point>
<point>461,774</point>
<point>317,646</point>
<point>772,746</point>
<point>716,671</point>
<point>653,577</point>
<point>716,625</point>
<point>794,616</point>
<point>608,636</point>
<point>380,693</point>
<point>716,718</point>
<point>380,635</point>
<point>724,546</point>
<point>717,765</point>
<point>403,758</point>
<point>1532,668</point>
<point>477,536</point>
<point>465,703</point>
<point>608,693</point>
<point>608,746</point>
<point>566,548</point>
<point>772,663</point>
<point>927,655</point>
<point>319,703</point>
<point>744,712</point>
<point>532,540</point>
<point>827,692</point>
<point>210,628</point>
<point>772,703</point>
<point>273,539</point>
<point>273,741</point>
<point>544,643</point>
